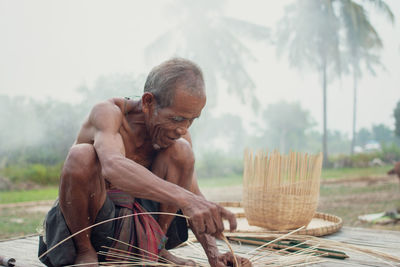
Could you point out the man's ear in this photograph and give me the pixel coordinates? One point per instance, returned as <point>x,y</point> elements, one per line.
<point>148,102</point>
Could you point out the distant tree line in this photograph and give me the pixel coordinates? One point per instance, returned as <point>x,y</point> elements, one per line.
<point>36,135</point>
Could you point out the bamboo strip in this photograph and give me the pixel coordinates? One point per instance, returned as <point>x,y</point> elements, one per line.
<point>133,255</point>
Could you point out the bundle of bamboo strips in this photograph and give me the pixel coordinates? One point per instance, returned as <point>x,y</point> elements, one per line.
<point>263,255</point>
<point>280,192</point>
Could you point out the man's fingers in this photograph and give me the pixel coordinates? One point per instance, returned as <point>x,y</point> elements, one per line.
<point>226,214</point>
<point>245,262</point>
<point>223,259</point>
<point>203,223</point>
<point>207,218</point>
<point>210,225</point>
<point>216,212</point>
<point>198,224</point>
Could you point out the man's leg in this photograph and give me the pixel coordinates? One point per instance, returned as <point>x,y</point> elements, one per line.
<point>82,194</point>
<point>176,165</point>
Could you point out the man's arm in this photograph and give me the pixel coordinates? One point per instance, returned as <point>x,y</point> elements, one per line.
<point>133,178</point>
<point>208,242</point>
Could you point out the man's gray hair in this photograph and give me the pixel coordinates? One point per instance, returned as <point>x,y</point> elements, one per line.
<point>164,78</point>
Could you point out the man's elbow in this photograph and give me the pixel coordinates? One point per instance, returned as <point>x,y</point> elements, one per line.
<point>110,166</point>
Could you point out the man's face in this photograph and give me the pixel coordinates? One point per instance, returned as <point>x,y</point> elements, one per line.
<point>165,125</point>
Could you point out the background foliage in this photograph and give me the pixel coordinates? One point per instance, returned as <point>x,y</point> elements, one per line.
<point>32,152</point>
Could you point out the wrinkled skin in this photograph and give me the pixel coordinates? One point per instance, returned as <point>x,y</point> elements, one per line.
<point>145,151</point>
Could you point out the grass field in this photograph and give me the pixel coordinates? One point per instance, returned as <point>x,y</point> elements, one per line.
<point>327,174</point>
<point>345,173</point>
<point>48,193</point>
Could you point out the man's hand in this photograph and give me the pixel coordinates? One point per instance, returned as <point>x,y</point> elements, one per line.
<point>206,217</point>
<point>227,259</point>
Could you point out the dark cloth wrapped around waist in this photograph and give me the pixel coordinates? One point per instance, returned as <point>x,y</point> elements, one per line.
<point>138,231</point>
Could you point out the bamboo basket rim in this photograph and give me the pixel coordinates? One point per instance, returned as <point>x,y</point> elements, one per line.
<point>335,223</point>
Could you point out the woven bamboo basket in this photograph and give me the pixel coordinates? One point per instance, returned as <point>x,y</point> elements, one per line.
<point>280,192</point>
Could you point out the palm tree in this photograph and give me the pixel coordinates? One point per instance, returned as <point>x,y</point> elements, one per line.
<point>363,44</point>
<point>202,33</point>
<point>308,32</point>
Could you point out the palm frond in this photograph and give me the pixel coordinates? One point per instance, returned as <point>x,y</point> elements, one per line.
<point>384,8</point>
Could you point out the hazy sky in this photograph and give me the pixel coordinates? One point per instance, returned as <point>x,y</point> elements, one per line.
<point>49,48</point>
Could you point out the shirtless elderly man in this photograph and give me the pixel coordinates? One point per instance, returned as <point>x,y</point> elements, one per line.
<point>134,156</point>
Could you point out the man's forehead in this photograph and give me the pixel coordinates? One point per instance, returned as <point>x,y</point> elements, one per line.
<point>182,90</point>
<point>184,96</point>
<point>186,103</point>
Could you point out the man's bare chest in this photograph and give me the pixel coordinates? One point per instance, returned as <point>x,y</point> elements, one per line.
<point>142,154</point>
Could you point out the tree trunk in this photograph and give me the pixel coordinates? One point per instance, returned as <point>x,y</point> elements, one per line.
<point>353,141</point>
<point>324,136</point>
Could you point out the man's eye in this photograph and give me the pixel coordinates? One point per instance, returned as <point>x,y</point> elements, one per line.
<point>178,119</point>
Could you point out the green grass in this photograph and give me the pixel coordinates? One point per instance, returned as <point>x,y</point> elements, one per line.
<point>344,190</point>
<point>49,193</point>
<point>221,181</point>
<point>344,173</point>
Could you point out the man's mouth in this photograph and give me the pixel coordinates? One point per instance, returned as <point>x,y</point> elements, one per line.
<point>156,147</point>
<point>167,142</point>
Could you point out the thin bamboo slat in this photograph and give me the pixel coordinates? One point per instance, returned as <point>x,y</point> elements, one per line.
<point>280,192</point>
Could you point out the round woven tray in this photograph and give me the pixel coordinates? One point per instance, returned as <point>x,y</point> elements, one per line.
<point>321,224</point>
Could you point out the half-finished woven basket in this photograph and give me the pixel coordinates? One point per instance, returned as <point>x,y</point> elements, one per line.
<point>280,192</point>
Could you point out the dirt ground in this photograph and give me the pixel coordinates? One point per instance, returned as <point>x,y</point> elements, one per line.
<point>346,198</point>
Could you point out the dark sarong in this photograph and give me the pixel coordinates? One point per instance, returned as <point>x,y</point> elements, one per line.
<point>141,231</point>
<point>56,230</point>
<point>143,234</point>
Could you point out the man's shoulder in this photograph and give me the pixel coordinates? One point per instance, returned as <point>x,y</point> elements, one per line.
<point>118,101</point>
<point>109,105</point>
<point>105,112</point>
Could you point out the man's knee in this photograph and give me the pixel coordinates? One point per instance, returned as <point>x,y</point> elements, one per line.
<point>81,184</point>
<point>81,163</point>
<point>180,154</point>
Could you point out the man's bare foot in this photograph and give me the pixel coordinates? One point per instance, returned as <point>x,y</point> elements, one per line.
<point>168,257</point>
<point>88,257</point>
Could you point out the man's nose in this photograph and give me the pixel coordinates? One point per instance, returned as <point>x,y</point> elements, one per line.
<point>181,130</point>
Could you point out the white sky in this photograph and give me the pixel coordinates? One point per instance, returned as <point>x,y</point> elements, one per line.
<point>49,48</point>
